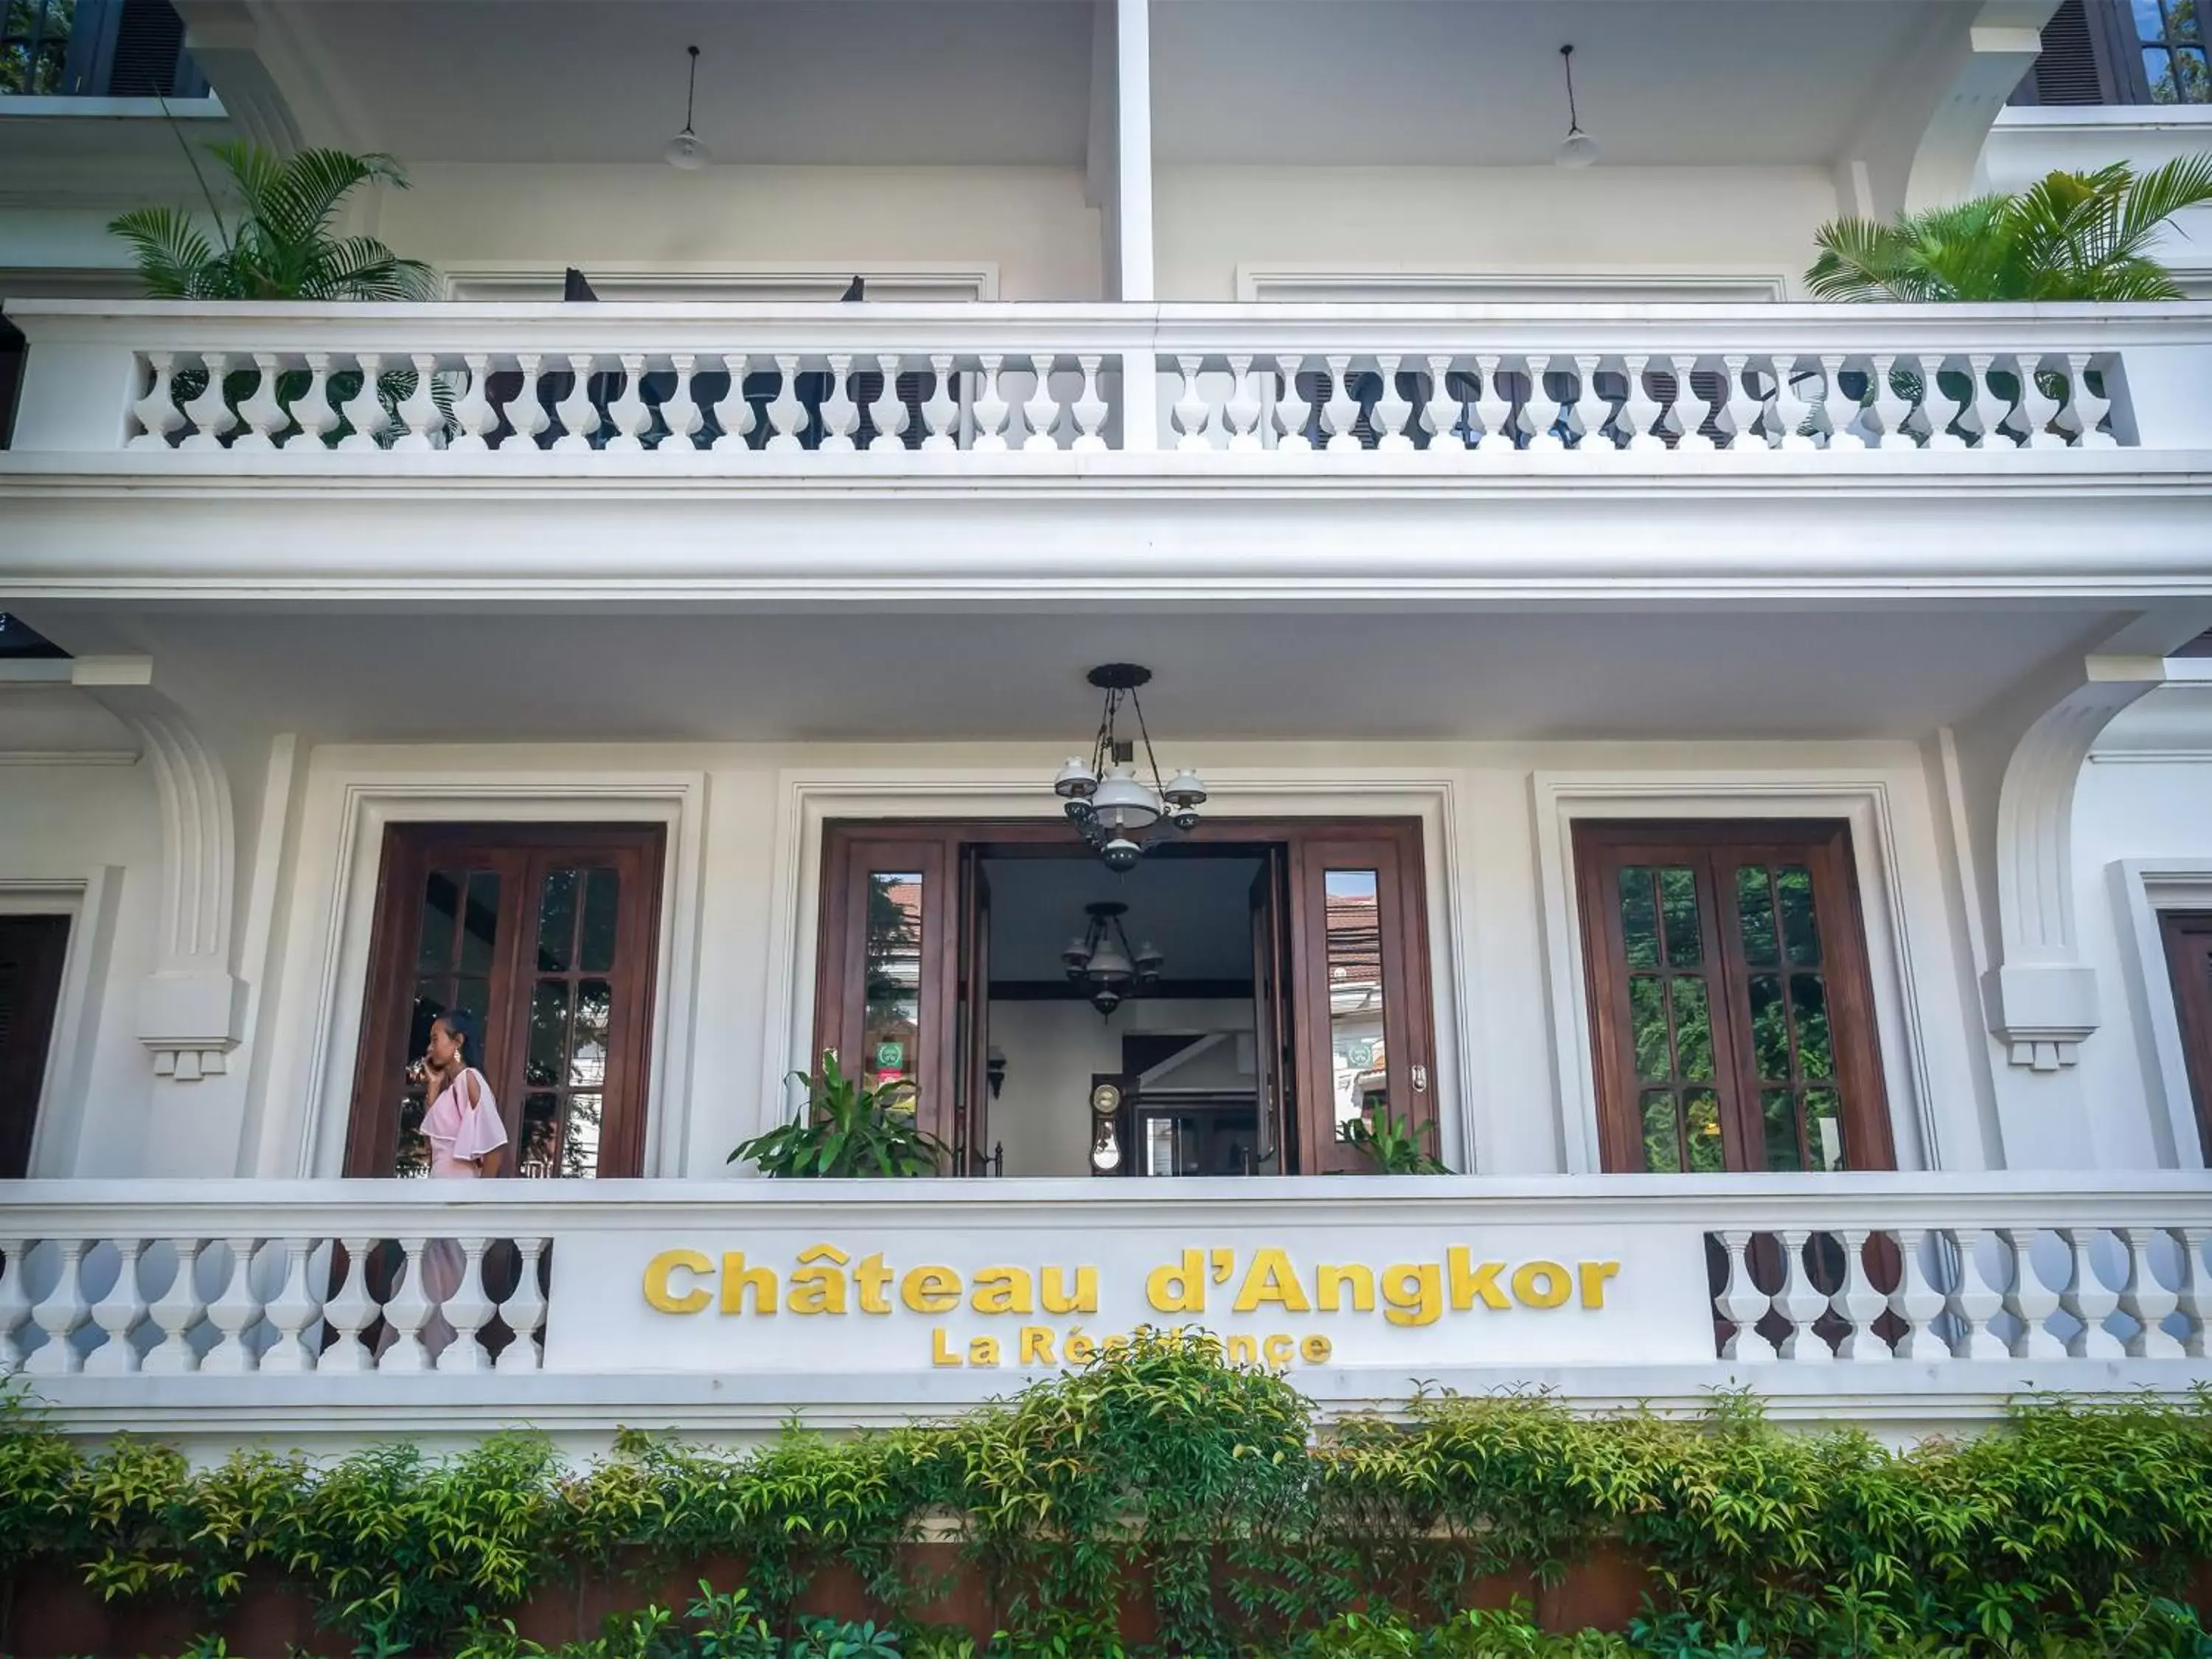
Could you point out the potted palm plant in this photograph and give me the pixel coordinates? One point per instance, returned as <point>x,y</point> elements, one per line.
<point>847,1132</point>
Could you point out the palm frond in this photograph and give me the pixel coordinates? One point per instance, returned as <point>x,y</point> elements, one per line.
<point>2155,197</point>
<point>175,257</point>
<point>362,268</point>
<point>312,183</point>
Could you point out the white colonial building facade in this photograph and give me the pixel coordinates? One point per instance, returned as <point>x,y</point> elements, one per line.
<point>1731,774</point>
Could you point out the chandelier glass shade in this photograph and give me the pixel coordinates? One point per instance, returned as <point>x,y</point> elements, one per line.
<point>1102,959</point>
<point>1118,811</point>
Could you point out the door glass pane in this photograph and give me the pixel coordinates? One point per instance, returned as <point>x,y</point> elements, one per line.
<point>557,920</point>
<point>1754,905</point>
<point>1647,1012</point>
<point>1361,1071</point>
<point>458,918</point>
<point>1677,909</point>
<point>579,1137</point>
<point>587,1054</point>
<point>602,905</point>
<point>1662,1133</point>
<point>1694,1030</point>
<point>1809,1005</point>
<point>571,1017</point>
<point>1824,1128</point>
<point>442,912</point>
<point>1639,917</point>
<point>1702,1118</point>
<point>1770,1028</point>
<point>891,1031</point>
<point>541,1135</point>
<point>480,922</point>
<point>1778,1114</point>
<point>1793,882</point>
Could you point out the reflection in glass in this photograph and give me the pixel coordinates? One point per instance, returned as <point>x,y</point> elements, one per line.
<point>1793,882</point>
<point>549,1035</point>
<point>595,953</point>
<point>890,1029</point>
<point>1639,917</point>
<point>459,920</point>
<point>1647,1013</point>
<point>1694,1030</point>
<point>1702,1118</point>
<point>1678,910</point>
<point>1354,955</point>
<point>1662,1133</point>
<point>1791,1043</point>
<point>1778,1114</point>
<point>480,922</point>
<point>587,1057</point>
<point>442,911</point>
<point>557,920</point>
<point>1754,906</point>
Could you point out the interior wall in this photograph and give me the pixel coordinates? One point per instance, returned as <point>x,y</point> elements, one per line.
<point>1208,220</point>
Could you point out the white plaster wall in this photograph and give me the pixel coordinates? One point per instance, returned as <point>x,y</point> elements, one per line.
<point>1605,220</point>
<point>2026,144</point>
<point>1031,223</point>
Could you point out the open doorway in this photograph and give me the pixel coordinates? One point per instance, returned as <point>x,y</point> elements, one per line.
<point>1289,992</point>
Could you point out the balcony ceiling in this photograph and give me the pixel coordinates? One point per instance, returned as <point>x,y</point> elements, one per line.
<point>361,674</point>
<point>1477,82</point>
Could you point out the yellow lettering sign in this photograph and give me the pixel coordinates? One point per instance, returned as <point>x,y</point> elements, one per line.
<point>660,1295</point>
<point>1541,1285</point>
<point>1594,1275</point>
<point>1180,1288</point>
<point>931,1290</point>
<point>1271,1278</point>
<point>736,1278</point>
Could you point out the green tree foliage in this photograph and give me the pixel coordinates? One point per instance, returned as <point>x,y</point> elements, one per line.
<point>2071,236</point>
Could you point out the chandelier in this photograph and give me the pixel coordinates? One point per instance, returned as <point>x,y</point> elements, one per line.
<point>1102,959</point>
<point>1116,812</point>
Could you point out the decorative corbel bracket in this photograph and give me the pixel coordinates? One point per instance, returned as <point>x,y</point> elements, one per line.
<point>189,1007</point>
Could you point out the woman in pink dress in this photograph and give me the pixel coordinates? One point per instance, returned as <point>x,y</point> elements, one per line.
<point>466,1137</point>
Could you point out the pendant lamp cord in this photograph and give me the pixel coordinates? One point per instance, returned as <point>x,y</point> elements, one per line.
<point>1566,59</point>
<point>692,88</point>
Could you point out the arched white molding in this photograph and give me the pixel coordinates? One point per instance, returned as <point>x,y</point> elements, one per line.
<point>188,1008</point>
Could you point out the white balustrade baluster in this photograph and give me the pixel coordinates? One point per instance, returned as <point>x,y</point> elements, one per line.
<point>474,418</point>
<point>840,416</point>
<point>419,409</point>
<point>1441,414</point>
<point>942,410</point>
<point>1974,1302</point>
<point>888,415</point>
<point>406,1311</point>
<point>524,1312</point>
<point>1940,410</point>
<point>265,417</point>
<point>1641,416</point>
<point>2145,1300</point>
<point>1892,410</point>
<point>733,414</point>
<point>991,408</point>
<point>2089,1300</point>
<point>1341,409</point>
<point>1041,412</point>
<point>174,1312</point>
<point>526,410</point>
<point>2087,408</point>
<point>14,1303</point>
<point>579,415</point>
<point>1292,411</point>
<point>1801,1303</point>
<point>1743,1304</point>
<point>1859,1305</point>
<point>629,415</point>
<point>294,1313</point>
<point>312,412</point>
<point>1089,408</point>
<point>786,415</point>
<point>117,1313</point>
<point>1839,413</point>
<point>156,413</point>
<point>2039,406</point>
<point>233,1313</point>
<point>1790,406</point>
<point>1988,405</point>
<point>1692,410</point>
<point>2193,1300</point>
<point>58,1313</point>
<point>1916,1301</point>
<point>349,1313</point>
<point>1592,409</point>
<point>364,411</point>
<point>681,417</point>
<point>1392,410</point>
<point>1743,408</point>
<point>2029,1299</point>
<point>1541,416</point>
<point>1493,410</point>
<point>210,413</point>
<point>468,1310</point>
<point>1242,411</point>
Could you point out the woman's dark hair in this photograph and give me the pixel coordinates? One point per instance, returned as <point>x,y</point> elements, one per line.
<point>463,1026</point>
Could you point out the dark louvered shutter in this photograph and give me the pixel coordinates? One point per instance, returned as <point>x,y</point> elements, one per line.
<point>2088,57</point>
<point>149,46</point>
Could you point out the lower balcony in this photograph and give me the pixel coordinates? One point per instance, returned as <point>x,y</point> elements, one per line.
<point>323,1313</point>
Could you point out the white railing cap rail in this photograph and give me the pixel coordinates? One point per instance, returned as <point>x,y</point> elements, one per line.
<point>1017,326</point>
<point>268,1209</point>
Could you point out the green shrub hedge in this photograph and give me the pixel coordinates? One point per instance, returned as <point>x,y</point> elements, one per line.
<point>1203,1490</point>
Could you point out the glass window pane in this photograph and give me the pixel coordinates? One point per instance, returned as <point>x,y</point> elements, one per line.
<point>1694,1030</point>
<point>480,922</point>
<point>1778,1107</point>
<point>2186,18</point>
<point>2149,25</point>
<point>1701,1108</point>
<point>1355,991</point>
<point>1809,1000</point>
<point>579,1137</point>
<point>1677,909</point>
<point>587,1057</point>
<point>548,1057</point>
<point>1824,1124</point>
<point>1754,904</point>
<point>1770,1030</point>
<point>1662,1145</point>
<point>1647,1011</point>
<point>2192,81</point>
<point>557,920</point>
<point>442,910</point>
<point>541,1135</point>
<point>413,1156</point>
<point>1639,917</point>
<point>1801,932</point>
<point>891,1015</point>
<point>433,994</point>
<point>602,907</point>
<point>2157,70</point>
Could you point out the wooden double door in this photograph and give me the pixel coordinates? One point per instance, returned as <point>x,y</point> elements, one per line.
<point>546,934</point>
<point>1342,1024</point>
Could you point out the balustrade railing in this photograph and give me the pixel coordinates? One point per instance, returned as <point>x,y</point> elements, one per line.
<point>719,388</point>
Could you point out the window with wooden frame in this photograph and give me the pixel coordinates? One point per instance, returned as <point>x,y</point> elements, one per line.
<point>1731,1006</point>
<point>546,933</point>
<point>2188,936</point>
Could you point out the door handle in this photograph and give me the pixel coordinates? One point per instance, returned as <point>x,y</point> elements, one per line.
<point>1420,1077</point>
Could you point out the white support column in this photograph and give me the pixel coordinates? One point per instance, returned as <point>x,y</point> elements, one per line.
<point>1133,214</point>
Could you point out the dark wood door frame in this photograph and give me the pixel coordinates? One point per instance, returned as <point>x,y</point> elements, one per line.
<point>2187,938</point>
<point>34,950</point>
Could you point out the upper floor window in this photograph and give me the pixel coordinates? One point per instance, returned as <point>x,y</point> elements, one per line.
<point>95,48</point>
<point>2171,34</point>
<point>2121,51</point>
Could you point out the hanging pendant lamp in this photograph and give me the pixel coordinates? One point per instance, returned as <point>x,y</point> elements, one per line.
<point>684,151</point>
<point>1577,149</point>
